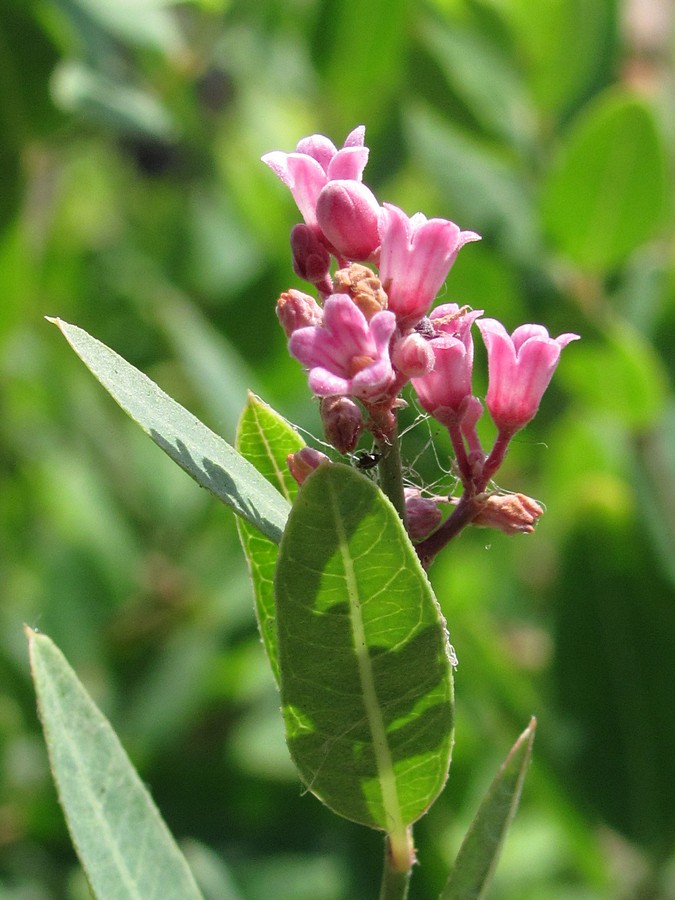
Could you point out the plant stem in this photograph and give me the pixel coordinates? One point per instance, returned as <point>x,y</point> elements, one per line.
<point>397,868</point>
<point>391,475</point>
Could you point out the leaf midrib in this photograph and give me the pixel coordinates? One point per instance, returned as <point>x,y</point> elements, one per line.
<point>383,759</point>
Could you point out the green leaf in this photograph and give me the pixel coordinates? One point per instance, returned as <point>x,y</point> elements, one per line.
<point>366,674</point>
<point>607,194</point>
<point>484,79</point>
<point>623,376</point>
<point>202,454</point>
<point>125,108</point>
<point>480,850</point>
<point>557,76</point>
<point>265,439</point>
<point>136,22</point>
<point>120,837</point>
<point>486,190</point>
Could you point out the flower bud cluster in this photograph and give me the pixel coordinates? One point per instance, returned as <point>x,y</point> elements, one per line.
<point>373,329</point>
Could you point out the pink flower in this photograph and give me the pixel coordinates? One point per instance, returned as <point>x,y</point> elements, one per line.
<point>520,368</point>
<point>443,392</point>
<point>317,161</point>
<point>347,354</point>
<point>416,255</point>
<point>348,214</point>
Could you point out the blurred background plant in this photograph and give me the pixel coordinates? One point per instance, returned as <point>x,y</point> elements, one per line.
<point>133,202</point>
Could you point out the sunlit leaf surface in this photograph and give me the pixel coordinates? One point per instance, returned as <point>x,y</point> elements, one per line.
<point>366,677</point>
<point>201,453</point>
<point>265,439</point>
<point>120,837</point>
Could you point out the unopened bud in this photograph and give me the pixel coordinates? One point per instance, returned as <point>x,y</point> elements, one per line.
<point>363,286</point>
<point>413,355</point>
<point>302,463</point>
<point>297,310</point>
<point>510,513</point>
<point>342,422</point>
<point>348,214</point>
<point>311,259</point>
<point>422,514</point>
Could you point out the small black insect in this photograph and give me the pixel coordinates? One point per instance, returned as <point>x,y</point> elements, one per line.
<point>366,459</point>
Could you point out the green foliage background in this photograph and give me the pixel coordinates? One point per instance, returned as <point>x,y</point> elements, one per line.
<point>133,202</point>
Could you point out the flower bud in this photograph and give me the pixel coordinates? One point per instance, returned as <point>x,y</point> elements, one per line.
<point>510,513</point>
<point>363,286</point>
<point>348,214</point>
<point>413,355</point>
<point>422,514</point>
<point>311,259</point>
<point>302,463</point>
<point>297,310</point>
<point>342,422</point>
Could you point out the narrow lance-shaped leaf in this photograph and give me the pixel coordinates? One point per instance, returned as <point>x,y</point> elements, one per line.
<point>120,837</point>
<point>265,439</point>
<point>366,671</point>
<point>478,856</point>
<point>205,456</point>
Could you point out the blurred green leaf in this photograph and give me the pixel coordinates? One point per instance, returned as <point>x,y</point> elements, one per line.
<point>484,80</point>
<point>202,454</point>
<point>559,76</point>
<point>614,670</point>
<point>373,33</point>
<point>366,678</point>
<point>118,105</point>
<point>26,109</point>
<point>143,22</point>
<point>479,854</point>
<point>265,439</point>
<point>218,372</point>
<point>623,376</point>
<point>607,194</point>
<point>482,186</point>
<point>120,837</point>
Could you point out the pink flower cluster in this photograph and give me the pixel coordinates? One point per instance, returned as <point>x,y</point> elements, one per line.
<point>373,329</point>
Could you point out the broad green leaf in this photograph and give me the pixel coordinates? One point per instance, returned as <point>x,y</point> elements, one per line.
<point>120,837</point>
<point>480,850</point>
<point>606,196</point>
<point>265,439</point>
<point>365,663</point>
<point>202,454</point>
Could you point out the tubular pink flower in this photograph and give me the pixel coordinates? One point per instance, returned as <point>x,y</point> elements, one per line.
<point>348,214</point>
<point>347,354</point>
<point>416,255</point>
<point>520,367</point>
<point>443,392</point>
<point>315,162</point>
